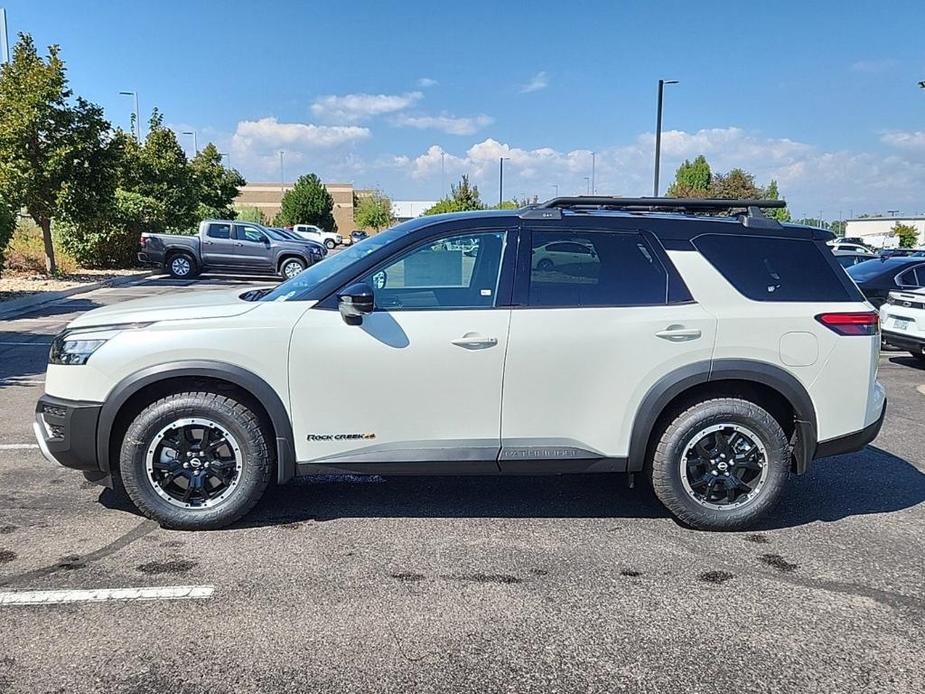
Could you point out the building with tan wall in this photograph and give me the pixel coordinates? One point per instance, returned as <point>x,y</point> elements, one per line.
<point>267,198</point>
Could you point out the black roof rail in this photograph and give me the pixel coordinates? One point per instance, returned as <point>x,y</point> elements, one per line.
<point>753,217</point>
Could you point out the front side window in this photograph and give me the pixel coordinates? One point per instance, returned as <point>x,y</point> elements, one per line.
<point>459,271</point>
<point>219,231</point>
<point>594,269</point>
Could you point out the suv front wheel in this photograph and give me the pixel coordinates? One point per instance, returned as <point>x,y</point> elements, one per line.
<point>721,464</point>
<point>196,460</point>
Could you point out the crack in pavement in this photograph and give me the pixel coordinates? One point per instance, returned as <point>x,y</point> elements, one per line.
<point>121,542</point>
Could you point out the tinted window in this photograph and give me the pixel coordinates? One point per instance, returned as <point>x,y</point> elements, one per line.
<point>774,269</point>
<point>914,277</point>
<point>594,269</point>
<point>459,271</point>
<point>219,231</point>
<point>248,233</point>
<point>862,272</point>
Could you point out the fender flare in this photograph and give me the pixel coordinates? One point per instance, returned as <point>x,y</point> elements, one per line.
<point>259,389</point>
<point>673,384</point>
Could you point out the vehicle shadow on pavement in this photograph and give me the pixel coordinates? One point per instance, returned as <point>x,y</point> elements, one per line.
<point>908,361</point>
<point>23,356</point>
<point>869,482</point>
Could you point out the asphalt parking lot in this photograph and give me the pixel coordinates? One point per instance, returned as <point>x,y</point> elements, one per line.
<point>463,584</point>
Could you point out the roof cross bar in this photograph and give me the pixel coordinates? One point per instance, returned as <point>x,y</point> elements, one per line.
<point>618,203</point>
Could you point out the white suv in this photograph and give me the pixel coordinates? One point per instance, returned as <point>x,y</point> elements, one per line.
<point>309,231</point>
<point>716,355</point>
<point>903,318</point>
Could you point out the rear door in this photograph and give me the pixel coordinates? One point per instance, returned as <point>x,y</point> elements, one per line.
<point>591,332</point>
<point>252,248</point>
<point>217,245</point>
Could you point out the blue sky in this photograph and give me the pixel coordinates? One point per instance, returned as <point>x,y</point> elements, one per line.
<point>820,95</point>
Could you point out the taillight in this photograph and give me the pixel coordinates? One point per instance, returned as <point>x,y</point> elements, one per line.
<point>861,323</point>
<point>143,242</point>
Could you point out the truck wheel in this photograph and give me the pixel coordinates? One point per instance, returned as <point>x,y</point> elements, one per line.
<point>330,244</point>
<point>721,464</point>
<point>181,266</point>
<point>196,461</point>
<point>291,267</point>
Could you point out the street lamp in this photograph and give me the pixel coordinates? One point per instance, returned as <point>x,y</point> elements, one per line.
<point>556,186</point>
<point>501,161</point>
<point>4,39</point>
<point>593,186</point>
<point>195,143</point>
<point>658,130</point>
<point>282,184</point>
<point>588,184</point>
<point>137,124</point>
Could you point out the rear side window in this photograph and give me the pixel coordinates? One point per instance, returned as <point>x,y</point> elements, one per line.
<point>913,278</point>
<point>594,269</point>
<point>774,269</point>
<point>219,231</point>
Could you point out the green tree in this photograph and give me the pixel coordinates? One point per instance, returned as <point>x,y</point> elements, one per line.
<point>692,179</point>
<point>7,227</point>
<point>738,184</point>
<point>771,193</point>
<point>216,185</point>
<point>56,155</point>
<point>308,202</point>
<point>250,214</point>
<point>813,222</point>
<point>838,227</point>
<point>158,169</point>
<point>463,197</point>
<point>373,211</point>
<point>907,234</point>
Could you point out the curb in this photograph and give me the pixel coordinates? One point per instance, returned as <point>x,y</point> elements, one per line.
<point>16,307</point>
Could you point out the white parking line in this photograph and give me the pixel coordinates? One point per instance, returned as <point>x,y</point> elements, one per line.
<point>17,446</point>
<point>59,597</point>
<point>25,344</point>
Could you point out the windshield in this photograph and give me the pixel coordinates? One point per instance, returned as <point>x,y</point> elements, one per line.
<point>330,266</point>
<point>277,234</point>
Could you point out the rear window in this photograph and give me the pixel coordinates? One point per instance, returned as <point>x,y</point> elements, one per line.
<point>774,269</point>
<point>219,231</point>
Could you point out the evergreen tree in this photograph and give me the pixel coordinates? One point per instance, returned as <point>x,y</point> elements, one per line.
<point>308,202</point>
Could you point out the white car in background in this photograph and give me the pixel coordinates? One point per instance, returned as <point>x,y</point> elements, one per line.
<point>313,233</point>
<point>902,320</point>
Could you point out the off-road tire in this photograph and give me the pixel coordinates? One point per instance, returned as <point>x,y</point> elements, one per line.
<point>237,418</point>
<point>664,464</point>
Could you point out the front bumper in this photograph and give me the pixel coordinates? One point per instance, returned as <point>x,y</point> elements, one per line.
<point>851,442</point>
<point>910,343</point>
<point>66,433</point>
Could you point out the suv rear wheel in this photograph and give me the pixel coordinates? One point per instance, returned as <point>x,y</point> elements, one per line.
<point>181,266</point>
<point>195,460</point>
<point>721,464</point>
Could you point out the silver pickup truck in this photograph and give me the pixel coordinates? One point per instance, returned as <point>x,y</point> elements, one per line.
<point>230,246</point>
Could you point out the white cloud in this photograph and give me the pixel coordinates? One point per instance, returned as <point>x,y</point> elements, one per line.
<point>539,81</point>
<point>446,123</point>
<point>427,82</point>
<point>352,108</point>
<point>904,140</point>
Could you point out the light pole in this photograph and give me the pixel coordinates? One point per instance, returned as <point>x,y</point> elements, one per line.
<point>501,161</point>
<point>4,38</point>
<point>282,185</point>
<point>658,130</point>
<point>137,123</point>
<point>195,143</point>
<point>588,184</point>
<point>556,186</point>
<point>442,173</point>
<point>593,186</point>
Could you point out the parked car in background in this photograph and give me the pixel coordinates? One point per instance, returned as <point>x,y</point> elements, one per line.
<point>228,246</point>
<point>853,247</point>
<point>897,252</point>
<point>878,277</point>
<point>313,233</point>
<point>357,235</point>
<point>292,236</point>
<point>848,258</point>
<point>902,320</point>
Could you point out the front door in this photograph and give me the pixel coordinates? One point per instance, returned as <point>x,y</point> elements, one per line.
<point>252,248</point>
<point>419,382</point>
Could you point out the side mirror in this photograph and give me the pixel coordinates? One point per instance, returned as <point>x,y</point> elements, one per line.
<point>354,302</point>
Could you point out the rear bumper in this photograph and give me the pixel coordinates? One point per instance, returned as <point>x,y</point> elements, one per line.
<point>66,432</point>
<point>146,260</point>
<point>851,442</point>
<point>905,341</point>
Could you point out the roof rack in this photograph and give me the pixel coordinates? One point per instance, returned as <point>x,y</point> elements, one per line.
<point>552,209</point>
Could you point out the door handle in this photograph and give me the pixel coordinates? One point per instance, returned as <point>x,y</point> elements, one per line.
<point>678,333</point>
<point>475,341</point>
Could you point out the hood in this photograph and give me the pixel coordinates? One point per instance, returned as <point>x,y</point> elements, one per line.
<point>175,306</point>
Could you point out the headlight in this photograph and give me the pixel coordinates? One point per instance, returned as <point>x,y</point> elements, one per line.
<point>70,348</point>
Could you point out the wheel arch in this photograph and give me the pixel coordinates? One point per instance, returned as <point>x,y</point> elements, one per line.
<point>126,393</point>
<point>776,389</point>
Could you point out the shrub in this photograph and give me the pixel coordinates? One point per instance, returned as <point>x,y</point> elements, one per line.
<point>26,251</point>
